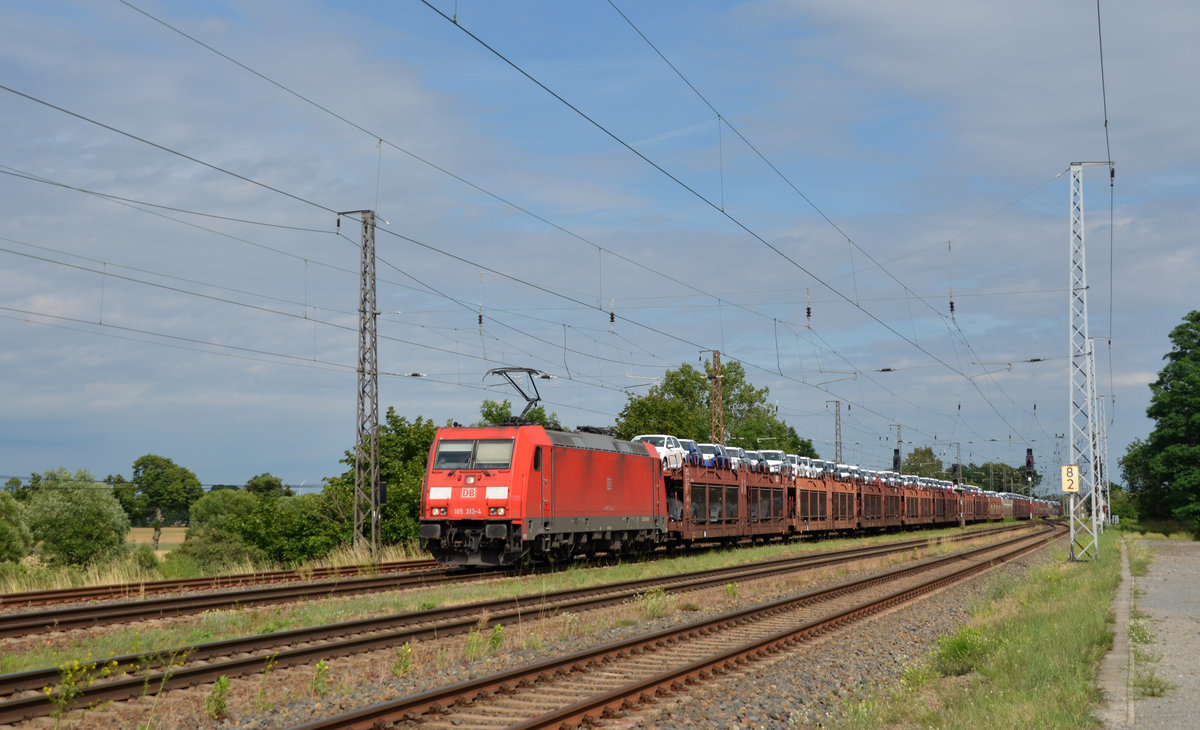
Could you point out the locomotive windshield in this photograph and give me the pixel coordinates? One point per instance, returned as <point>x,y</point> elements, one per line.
<point>474,454</point>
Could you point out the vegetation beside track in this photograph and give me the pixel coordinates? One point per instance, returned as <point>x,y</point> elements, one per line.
<point>1028,659</point>
<point>142,565</point>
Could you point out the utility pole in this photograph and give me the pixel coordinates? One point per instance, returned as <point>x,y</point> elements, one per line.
<point>958,458</point>
<point>837,430</point>
<point>366,442</point>
<point>1082,440</point>
<point>717,429</point>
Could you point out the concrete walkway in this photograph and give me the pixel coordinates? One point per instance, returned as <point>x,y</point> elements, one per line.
<point>1167,601</point>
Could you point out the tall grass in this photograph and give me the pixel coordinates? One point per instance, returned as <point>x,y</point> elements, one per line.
<point>140,565</point>
<point>1028,659</point>
<point>347,555</point>
<point>34,575</point>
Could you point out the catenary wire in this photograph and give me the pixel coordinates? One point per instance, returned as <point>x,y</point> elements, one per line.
<point>135,137</point>
<point>363,129</point>
<point>733,219</point>
<point>856,302</point>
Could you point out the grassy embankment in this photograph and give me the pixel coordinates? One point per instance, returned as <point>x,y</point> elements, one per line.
<point>1029,658</point>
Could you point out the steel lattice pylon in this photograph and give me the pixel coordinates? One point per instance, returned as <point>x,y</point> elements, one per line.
<point>1082,383</point>
<point>837,430</point>
<point>366,442</point>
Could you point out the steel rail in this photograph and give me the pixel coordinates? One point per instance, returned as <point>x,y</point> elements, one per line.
<point>23,623</point>
<point>217,582</point>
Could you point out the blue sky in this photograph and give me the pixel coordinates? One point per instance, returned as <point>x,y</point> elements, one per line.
<point>932,139</point>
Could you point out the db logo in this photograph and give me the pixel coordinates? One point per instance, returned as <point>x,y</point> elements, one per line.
<point>468,492</point>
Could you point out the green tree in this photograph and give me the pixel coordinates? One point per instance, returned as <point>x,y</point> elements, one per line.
<point>291,529</point>
<point>403,453</point>
<point>267,484</point>
<point>20,489</point>
<point>123,490</point>
<point>215,539</point>
<point>1121,503</point>
<point>76,519</point>
<point>1163,472</point>
<point>15,538</point>
<point>164,490</point>
<point>234,525</point>
<point>224,510</point>
<point>496,413</point>
<point>922,462</point>
<point>681,405</point>
<point>13,486</point>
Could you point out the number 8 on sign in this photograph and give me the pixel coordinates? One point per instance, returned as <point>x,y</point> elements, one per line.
<point>1070,478</point>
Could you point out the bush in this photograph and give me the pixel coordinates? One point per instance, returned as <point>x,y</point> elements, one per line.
<point>144,557</point>
<point>211,551</point>
<point>224,509</point>
<point>290,530</point>
<point>77,521</point>
<point>15,538</point>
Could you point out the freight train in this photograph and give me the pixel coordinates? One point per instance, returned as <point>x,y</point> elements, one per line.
<point>504,495</point>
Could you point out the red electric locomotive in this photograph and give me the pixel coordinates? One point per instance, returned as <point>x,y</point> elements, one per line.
<point>499,495</point>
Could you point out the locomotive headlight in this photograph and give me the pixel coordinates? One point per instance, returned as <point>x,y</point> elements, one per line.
<point>437,511</point>
<point>496,511</point>
<point>470,479</point>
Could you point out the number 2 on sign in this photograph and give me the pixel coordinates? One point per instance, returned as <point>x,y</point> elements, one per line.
<point>1070,478</point>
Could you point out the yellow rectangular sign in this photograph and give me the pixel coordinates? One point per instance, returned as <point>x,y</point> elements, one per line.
<point>1070,478</point>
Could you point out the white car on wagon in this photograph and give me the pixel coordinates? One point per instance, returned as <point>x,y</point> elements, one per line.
<point>668,447</point>
<point>775,460</point>
<point>737,456</point>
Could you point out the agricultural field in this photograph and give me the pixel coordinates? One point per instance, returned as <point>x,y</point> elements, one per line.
<point>171,538</point>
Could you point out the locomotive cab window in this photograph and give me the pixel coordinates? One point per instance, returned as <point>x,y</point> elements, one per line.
<point>474,454</point>
<point>493,454</point>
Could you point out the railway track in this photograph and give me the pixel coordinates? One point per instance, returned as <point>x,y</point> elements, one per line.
<point>79,616</point>
<point>220,582</point>
<point>587,686</point>
<point>203,663</point>
<point>15,623</point>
